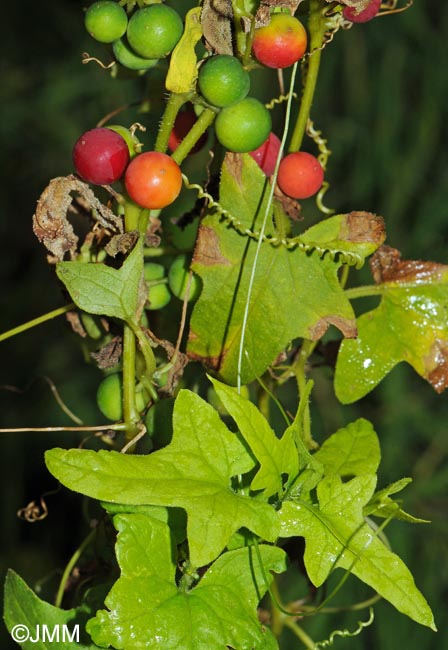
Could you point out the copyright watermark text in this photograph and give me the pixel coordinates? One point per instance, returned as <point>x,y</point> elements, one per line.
<point>49,633</point>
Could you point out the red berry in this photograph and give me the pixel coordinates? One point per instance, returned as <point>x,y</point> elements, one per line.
<point>153,180</point>
<point>182,125</point>
<point>100,156</point>
<point>267,153</point>
<point>300,175</point>
<point>281,43</point>
<point>363,16</point>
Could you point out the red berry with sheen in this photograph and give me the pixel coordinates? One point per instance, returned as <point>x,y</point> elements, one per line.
<point>363,16</point>
<point>300,175</point>
<point>100,156</point>
<point>266,155</point>
<point>182,125</point>
<point>281,43</point>
<point>153,180</point>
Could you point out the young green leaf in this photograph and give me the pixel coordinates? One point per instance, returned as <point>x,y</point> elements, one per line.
<point>193,472</point>
<point>147,609</point>
<point>409,325</point>
<point>101,289</point>
<point>276,456</point>
<point>381,504</point>
<point>49,627</point>
<point>351,451</point>
<point>295,294</point>
<point>336,536</point>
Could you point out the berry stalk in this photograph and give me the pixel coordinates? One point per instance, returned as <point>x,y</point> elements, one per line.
<point>317,27</point>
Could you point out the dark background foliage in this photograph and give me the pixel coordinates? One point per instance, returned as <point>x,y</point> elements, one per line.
<point>381,102</point>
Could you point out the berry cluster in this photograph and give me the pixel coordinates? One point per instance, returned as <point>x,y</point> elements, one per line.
<point>139,42</point>
<point>242,123</point>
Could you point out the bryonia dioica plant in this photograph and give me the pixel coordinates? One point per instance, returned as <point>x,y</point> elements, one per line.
<point>203,290</point>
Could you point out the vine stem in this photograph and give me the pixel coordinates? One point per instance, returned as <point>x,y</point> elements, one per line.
<point>175,102</point>
<point>199,127</point>
<point>364,291</point>
<point>300,634</point>
<point>70,565</point>
<point>317,28</point>
<point>37,321</point>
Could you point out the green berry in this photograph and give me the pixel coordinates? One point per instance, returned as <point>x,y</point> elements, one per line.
<point>109,397</point>
<point>106,21</point>
<point>126,56</point>
<point>178,278</point>
<point>223,81</point>
<point>244,126</point>
<point>153,31</point>
<point>158,292</point>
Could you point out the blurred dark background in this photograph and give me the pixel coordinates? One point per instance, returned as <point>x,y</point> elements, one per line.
<point>381,102</point>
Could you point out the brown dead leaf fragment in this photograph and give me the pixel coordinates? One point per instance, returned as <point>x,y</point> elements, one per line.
<point>109,355</point>
<point>437,365</point>
<point>50,223</point>
<point>387,266</point>
<point>360,5</point>
<point>364,227</point>
<point>216,21</point>
<point>263,15</point>
<point>346,326</point>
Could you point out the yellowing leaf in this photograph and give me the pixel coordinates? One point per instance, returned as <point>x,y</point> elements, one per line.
<point>410,324</point>
<point>182,73</point>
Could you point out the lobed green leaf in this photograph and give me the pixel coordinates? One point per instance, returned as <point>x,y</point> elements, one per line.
<point>147,609</point>
<point>193,472</point>
<point>337,536</point>
<point>22,607</point>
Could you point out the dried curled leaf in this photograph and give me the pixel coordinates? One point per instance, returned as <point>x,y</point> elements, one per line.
<point>263,15</point>
<point>360,5</point>
<point>50,223</point>
<point>216,21</point>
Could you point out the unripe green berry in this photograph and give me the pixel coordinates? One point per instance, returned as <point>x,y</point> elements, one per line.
<point>106,21</point>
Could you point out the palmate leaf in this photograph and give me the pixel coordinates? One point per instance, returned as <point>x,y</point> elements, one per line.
<point>276,456</point>
<point>146,609</point>
<point>295,293</point>
<point>193,472</point>
<point>336,536</point>
<point>64,628</point>
<point>351,451</point>
<point>410,324</point>
<point>103,290</point>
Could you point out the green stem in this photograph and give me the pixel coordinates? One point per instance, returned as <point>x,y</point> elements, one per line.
<point>130,412</point>
<point>72,562</point>
<point>239,12</point>
<point>175,101</point>
<point>364,291</point>
<point>317,27</point>
<point>37,321</point>
<point>200,126</point>
<point>299,369</point>
<point>300,634</point>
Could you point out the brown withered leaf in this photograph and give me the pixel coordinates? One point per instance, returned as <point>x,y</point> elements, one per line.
<point>216,21</point>
<point>50,223</point>
<point>359,4</point>
<point>109,355</point>
<point>387,266</point>
<point>263,14</point>
<point>121,243</point>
